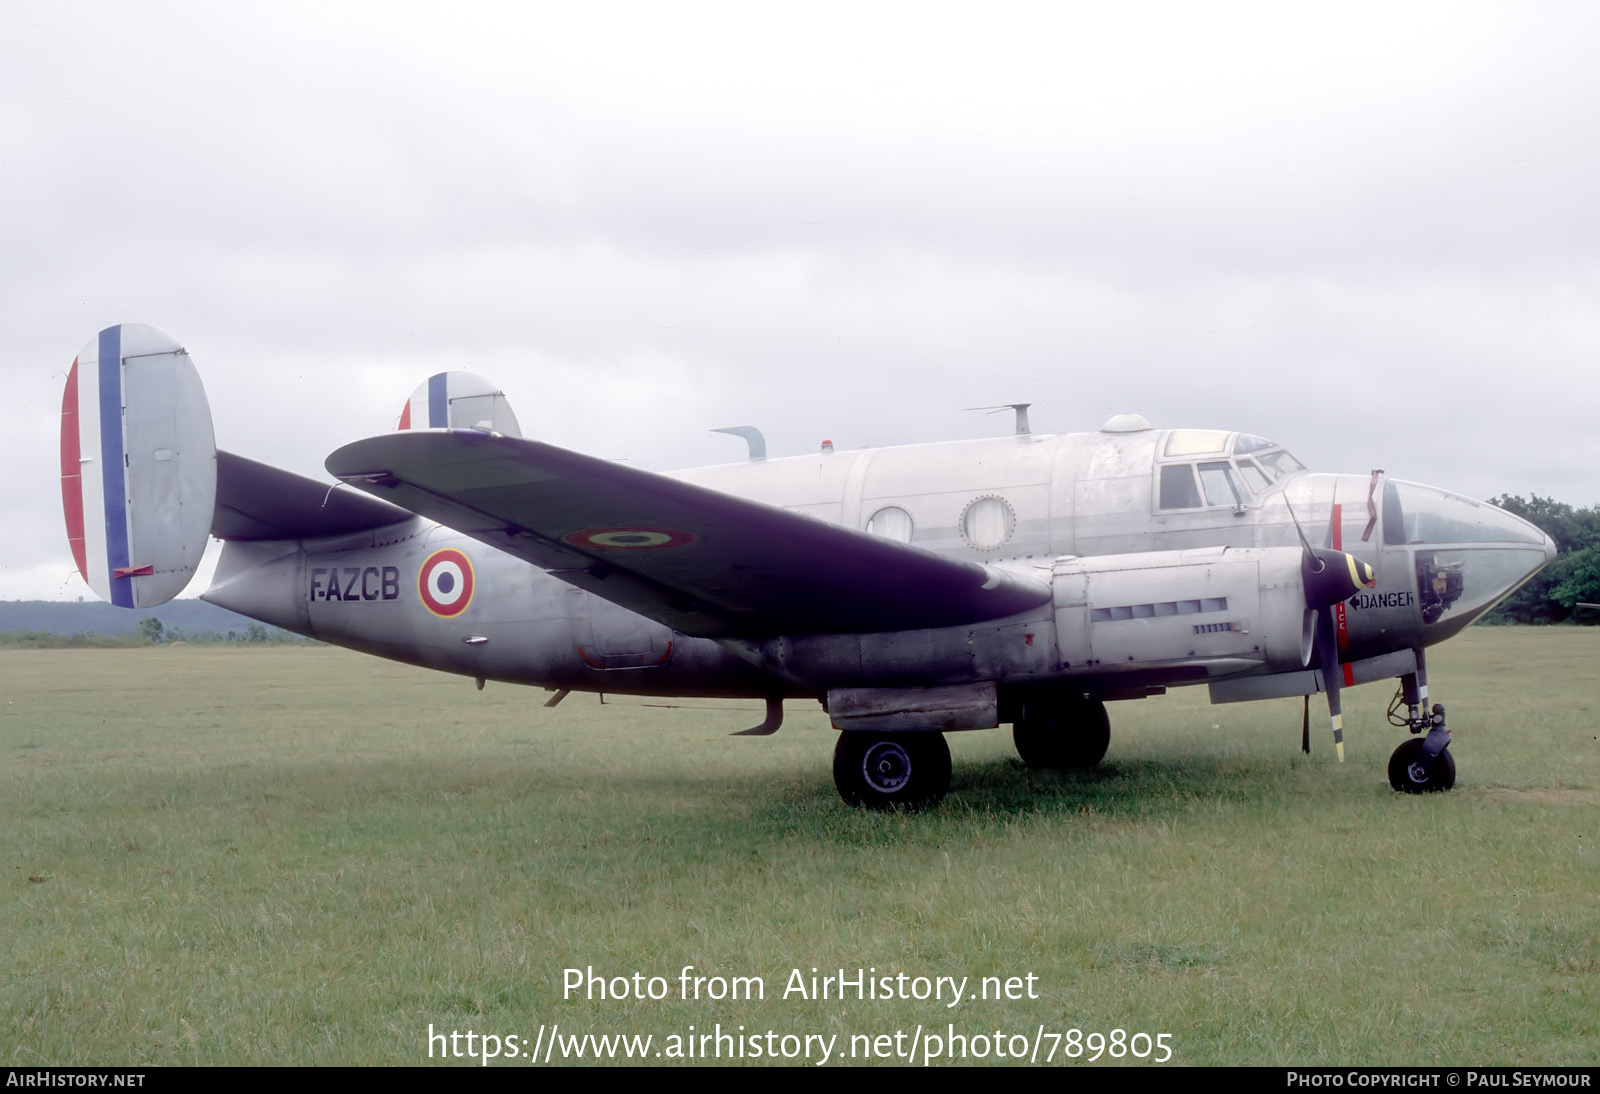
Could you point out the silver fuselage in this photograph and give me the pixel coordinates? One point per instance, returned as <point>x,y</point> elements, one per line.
<point>1140,534</point>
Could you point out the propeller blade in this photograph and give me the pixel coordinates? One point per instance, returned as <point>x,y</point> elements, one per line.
<point>1329,577</point>
<point>1332,679</point>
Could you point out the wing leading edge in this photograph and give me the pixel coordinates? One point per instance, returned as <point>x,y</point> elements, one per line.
<point>702,562</point>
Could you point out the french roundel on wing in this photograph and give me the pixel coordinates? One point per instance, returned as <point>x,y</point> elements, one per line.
<point>444,583</point>
<point>629,539</point>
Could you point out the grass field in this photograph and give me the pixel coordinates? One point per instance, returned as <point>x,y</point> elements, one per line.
<point>301,855</point>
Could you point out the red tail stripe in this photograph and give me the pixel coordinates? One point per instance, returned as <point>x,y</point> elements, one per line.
<point>72,472</point>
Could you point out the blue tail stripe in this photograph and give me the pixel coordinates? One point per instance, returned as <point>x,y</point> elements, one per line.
<point>438,402</point>
<point>112,472</point>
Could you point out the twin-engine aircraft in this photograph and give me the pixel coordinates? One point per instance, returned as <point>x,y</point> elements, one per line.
<point>912,591</point>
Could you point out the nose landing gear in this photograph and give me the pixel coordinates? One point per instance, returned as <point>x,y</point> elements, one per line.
<point>1421,765</point>
<point>1413,771</point>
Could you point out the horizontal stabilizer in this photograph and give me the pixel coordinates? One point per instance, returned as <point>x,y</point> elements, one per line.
<point>700,561</point>
<point>258,501</point>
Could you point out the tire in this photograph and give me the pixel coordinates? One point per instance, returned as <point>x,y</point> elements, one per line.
<point>1072,735</point>
<point>891,771</point>
<point>1406,775</point>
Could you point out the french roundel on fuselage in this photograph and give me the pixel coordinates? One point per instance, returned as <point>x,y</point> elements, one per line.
<point>445,583</point>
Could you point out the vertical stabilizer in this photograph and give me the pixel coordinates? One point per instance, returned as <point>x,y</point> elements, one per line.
<point>459,400</point>
<point>138,465</point>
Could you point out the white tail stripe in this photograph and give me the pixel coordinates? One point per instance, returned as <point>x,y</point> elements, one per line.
<point>92,475</point>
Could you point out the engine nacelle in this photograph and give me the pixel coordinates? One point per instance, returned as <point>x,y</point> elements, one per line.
<point>1222,610</point>
<point>1215,612</point>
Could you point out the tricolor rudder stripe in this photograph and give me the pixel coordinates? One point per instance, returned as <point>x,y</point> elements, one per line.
<point>429,405</point>
<point>458,400</point>
<point>93,484</point>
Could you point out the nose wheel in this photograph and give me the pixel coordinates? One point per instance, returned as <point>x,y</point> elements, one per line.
<point>1412,773</point>
<point>1424,765</point>
<point>891,771</point>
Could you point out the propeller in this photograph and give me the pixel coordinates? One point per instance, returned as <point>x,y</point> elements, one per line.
<point>1329,577</point>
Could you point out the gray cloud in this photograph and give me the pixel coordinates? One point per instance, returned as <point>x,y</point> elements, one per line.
<point>1371,237</point>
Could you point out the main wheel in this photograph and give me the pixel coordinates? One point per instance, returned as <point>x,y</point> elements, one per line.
<point>891,771</point>
<point>1408,773</point>
<point>1074,734</point>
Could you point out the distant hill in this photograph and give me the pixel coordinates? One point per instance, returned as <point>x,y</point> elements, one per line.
<point>95,617</point>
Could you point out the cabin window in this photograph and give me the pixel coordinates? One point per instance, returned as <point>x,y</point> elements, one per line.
<point>1178,490</point>
<point>891,522</point>
<point>988,522</point>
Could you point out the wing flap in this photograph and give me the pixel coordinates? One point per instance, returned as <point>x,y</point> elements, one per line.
<point>702,562</point>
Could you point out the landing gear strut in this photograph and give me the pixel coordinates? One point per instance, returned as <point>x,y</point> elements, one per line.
<point>1421,765</point>
<point>891,770</point>
<point>1073,733</point>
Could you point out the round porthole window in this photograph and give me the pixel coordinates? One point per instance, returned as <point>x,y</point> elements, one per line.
<point>987,522</point>
<point>891,522</point>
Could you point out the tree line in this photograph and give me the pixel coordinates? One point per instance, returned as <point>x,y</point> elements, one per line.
<point>1555,593</point>
<point>151,632</point>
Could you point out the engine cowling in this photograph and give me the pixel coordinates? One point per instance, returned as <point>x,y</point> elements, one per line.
<point>1223,609</point>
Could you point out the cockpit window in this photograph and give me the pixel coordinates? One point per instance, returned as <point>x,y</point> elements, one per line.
<point>1269,454</point>
<point>1279,463</point>
<point>1220,483</point>
<point>1203,480</point>
<point>1253,475</point>
<point>1178,490</point>
<point>1194,442</point>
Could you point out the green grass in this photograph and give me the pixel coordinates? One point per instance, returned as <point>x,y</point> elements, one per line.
<point>300,855</point>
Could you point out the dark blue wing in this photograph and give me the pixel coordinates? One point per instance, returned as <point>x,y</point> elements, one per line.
<point>701,561</point>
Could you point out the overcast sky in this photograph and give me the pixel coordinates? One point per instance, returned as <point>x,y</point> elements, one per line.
<point>1369,232</point>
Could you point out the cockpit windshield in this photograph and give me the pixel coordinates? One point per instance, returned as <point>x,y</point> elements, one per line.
<point>1208,468</point>
<point>1270,456</point>
<point>1422,514</point>
<point>1278,463</point>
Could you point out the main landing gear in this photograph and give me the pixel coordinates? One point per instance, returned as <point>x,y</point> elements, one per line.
<point>912,770</point>
<point>1070,734</point>
<point>891,770</point>
<point>1421,765</point>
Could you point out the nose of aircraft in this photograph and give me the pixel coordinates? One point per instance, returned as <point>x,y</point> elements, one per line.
<point>1467,554</point>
